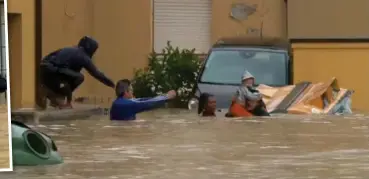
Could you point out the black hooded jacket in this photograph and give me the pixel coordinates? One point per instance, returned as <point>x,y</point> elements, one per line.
<point>3,84</point>
<point>76,58</point>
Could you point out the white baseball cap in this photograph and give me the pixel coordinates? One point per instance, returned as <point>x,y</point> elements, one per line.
<point>247,75</point>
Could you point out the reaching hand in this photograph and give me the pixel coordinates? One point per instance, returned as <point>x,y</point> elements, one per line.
<point>171,94</point>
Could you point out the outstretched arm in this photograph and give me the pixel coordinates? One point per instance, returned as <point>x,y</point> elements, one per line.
<point>93,71</point>
<point>141,99</point>
<point>144,105</point>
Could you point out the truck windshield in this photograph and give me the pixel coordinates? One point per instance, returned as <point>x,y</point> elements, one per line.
<point>227,67</point>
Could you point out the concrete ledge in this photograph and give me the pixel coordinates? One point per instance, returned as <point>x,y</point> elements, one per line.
<point>79,111</point>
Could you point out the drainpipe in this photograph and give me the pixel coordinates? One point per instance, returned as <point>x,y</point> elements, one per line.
<point>286,7</point>
<point>40,96</point>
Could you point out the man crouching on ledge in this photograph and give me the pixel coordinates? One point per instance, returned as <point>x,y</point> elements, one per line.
<point>125,107</point>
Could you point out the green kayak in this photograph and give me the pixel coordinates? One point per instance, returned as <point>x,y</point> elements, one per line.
<point>33,148</point>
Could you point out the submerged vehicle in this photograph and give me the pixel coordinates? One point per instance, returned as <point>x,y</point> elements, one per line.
<point>33,148</point>
<point>270,62</point>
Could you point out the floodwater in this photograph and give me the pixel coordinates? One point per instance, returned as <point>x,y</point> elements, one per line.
<point>180,145</point>
<point>4,138</point>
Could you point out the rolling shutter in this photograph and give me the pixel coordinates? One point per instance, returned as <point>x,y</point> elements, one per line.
<point>186,23</point>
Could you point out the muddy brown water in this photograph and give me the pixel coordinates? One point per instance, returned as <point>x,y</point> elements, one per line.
<point>4,138</point>
<point>179,145</point>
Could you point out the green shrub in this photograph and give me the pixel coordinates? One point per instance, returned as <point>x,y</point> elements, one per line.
<point>173,69</point>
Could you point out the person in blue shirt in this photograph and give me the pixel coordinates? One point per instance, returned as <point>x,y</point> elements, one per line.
<point>125,107</point>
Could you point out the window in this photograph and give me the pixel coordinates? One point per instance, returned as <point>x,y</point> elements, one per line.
<point>228,66</point>
<point>185,23</point>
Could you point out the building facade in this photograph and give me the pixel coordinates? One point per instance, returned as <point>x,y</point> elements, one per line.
<point>330,38</point>
<point>129,30</point>
<point>126,30</point>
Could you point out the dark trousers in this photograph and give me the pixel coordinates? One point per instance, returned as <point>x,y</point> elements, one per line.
<point>3,85</point>
<point>61,81</point>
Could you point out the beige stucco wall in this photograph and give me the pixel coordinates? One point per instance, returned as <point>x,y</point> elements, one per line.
<point>22,66</point>
<point>328,18</point>
<point>124,30</point>
<point>272,13</point>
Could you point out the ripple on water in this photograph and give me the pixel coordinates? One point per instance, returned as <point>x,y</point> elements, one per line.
<point>247,121</point>
<point>333,153</point>
<point>59,126</point>
<point>315,122</point>
<point>127,126</point>
<point>361,127</point>
<point>55,128</point>
<point>138,157</point>
<point>180,121</point>
<point>275,147</point>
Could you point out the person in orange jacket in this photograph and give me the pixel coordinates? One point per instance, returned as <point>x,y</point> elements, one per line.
<point>248,101</point>
<point>251,104</point>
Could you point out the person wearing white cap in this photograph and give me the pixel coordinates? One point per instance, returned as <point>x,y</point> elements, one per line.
<point>248,97</point>
<point>248,79</point>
